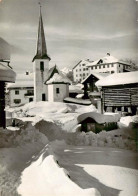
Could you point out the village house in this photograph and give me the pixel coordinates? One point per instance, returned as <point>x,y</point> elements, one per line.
<point>119,93</point>
<point>6,75</point>
<point>109,64</point>
<point>80,71</point>
<point>22,91</point>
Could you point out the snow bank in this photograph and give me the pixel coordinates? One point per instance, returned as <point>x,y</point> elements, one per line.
<point>45,177</point>
<point>113,139</point>
<point>14,138</point>
<point>125,121</point>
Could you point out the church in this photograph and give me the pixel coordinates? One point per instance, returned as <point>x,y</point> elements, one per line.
<point>44,84</point>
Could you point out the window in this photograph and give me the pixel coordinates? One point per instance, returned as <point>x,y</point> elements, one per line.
<point>103,66</point>
<point>108,66</point>
<point>76,75</point>
<point>83,69</point>
<point>30,99</point>
<point>80,69</point>
<point>91,67</point>
<point>112,65</point>
<point>95,67</point>
<point>17,101</point>
<point>112,72</point>
<point>16,92</point>
<point>41,65</point>
<point>83,74</point>
<point>76,70</point>
<point>86,68</point>
<point>57,90</point>
<point>30,92</point>
<point>80,74</point>
<point>99,66</point>
<point>83,64</point>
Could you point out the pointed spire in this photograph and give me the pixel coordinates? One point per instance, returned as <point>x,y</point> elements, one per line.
<point>41,43</point>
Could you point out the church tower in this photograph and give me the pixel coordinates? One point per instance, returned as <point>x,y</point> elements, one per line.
<point>40,64</point>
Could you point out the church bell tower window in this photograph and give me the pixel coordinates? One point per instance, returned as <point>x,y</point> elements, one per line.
<point>41,65</point>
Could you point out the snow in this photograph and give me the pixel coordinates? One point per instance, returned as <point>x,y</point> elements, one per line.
<point>111,171</point>
<point>119,79</point>
<point>75,89</point>
<point>34,162</point>
<point>13,128</point>
<point>58,78</point>
<point>77,101</point>
<point>23,80</point>
<point>97,75</point>
<point>100,118</point>
<point>66,70</point>
<point>106,59</point>
<point>62,114</point>
<point>125,121</point>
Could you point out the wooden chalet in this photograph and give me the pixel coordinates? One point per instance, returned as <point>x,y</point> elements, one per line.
<point>119,92</point>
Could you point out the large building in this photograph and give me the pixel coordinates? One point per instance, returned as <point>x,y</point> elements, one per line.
<point>80,71</point>
<point>109,64</point>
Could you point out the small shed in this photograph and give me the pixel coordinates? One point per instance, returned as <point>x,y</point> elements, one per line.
<point>96,122</point>
<point>120,92</point>
<point>6,75</point>
<point>90,80</point>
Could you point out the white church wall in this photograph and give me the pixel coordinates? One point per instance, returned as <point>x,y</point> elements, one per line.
<point>63,92</point>
<point>39,78</point>
<point>50,93</point>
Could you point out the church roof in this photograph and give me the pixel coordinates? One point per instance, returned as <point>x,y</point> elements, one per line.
<point>41,43</point>
<point>55,76</point>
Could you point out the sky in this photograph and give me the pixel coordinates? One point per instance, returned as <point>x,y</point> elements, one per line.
<point>74,30</point>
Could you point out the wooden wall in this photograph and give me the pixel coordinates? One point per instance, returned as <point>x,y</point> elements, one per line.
<point>123,95</point>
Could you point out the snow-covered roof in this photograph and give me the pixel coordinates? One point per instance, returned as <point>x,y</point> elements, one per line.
<point>106,60</point>
<point>6,73</point>
<point>75,89</point>
<point>77,101</point>
<point>99,118</point>
<point>119,79</point>
<point>87,61</point>
<point>23,81</point>
<point>58,78</point>
<point>97,75</point>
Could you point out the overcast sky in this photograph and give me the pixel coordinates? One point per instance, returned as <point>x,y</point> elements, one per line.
<point>74,30</point>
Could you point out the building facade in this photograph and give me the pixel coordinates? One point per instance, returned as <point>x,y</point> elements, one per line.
<point>22,91</point>
<point>80,71</point>
<point>109,64</point>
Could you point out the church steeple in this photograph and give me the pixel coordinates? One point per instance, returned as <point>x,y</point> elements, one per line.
<point>41,43</point>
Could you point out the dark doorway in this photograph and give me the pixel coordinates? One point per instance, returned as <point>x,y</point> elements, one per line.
<point>43,97</point>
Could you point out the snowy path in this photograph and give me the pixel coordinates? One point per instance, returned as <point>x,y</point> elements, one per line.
<point>109,170</point>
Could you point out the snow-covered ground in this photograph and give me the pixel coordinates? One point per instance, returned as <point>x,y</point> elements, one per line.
<point>34,163</point>
<point>112,171</point>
